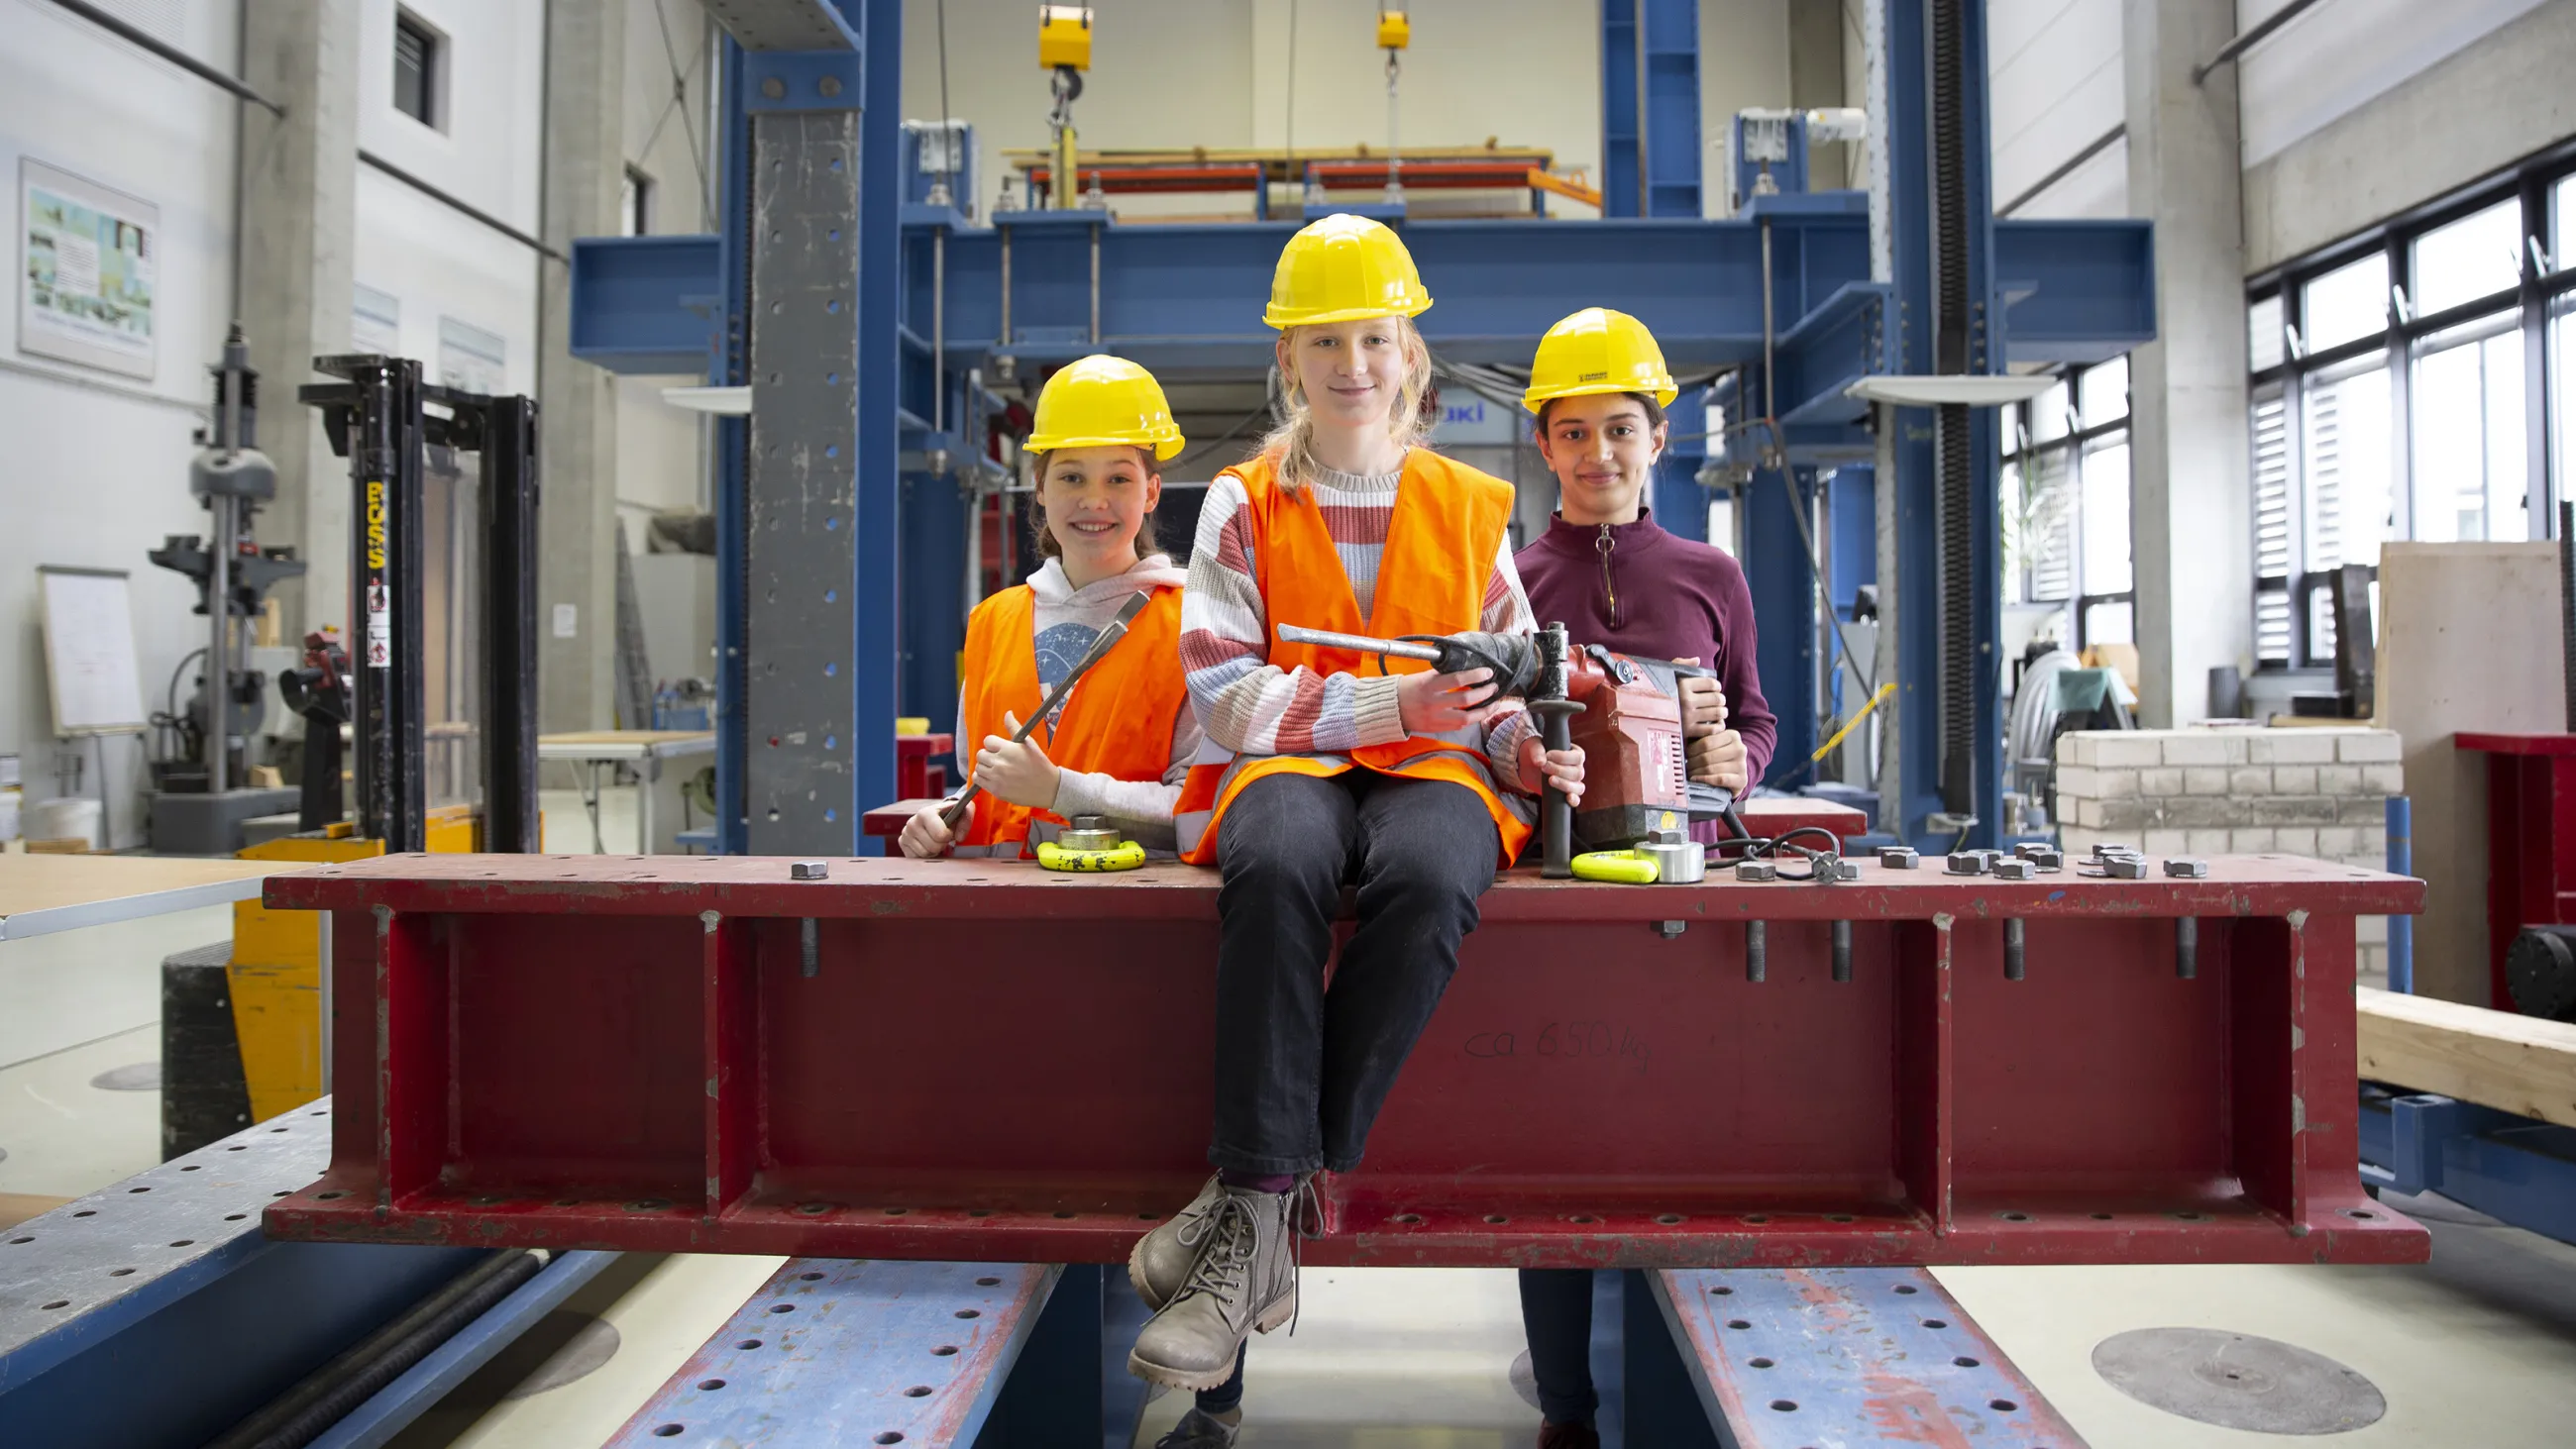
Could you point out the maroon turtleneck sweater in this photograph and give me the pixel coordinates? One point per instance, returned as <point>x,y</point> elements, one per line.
<point>1659,597</point>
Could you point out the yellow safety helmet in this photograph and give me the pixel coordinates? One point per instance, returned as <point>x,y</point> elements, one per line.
<point>1595,351</point>
<point>1341,269</point>
<point>1102,402</point>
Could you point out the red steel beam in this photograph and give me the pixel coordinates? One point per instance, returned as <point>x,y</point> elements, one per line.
<point>992,1062</point>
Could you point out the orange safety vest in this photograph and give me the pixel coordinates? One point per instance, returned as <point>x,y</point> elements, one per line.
<point>1117,722</point>
<point>1441,545</point>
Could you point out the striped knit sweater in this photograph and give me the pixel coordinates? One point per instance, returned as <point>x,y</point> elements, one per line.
<point>1251,707</point>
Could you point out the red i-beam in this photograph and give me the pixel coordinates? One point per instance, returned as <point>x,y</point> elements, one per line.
<point>986,1061</point>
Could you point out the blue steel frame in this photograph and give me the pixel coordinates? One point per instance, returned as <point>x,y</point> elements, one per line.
<point>1184,300</point>
<point>1650,121</point>
<point>2512,1168</point>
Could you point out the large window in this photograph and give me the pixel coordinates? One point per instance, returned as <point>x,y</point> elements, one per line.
<point>2393,396</point>
<point>2065,491</point>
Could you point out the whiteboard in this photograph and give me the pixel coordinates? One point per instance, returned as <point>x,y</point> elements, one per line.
<point>89,651</point>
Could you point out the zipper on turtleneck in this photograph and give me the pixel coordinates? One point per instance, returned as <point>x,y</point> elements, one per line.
<point>1606,545</point>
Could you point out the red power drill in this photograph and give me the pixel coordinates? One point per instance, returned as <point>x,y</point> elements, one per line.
<point>1624,713</point>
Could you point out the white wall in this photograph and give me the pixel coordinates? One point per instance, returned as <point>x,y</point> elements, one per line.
<point>2337,58</point>
<point>1185,72</point>
<point>2361,109</point>
<point>95,470</point>
<point>660,448</point>
<point>436,261</point>
<point>2055,66</point>
<point>1743,65</point>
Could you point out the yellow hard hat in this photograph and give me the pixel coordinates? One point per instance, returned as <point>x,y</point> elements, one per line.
<point>1342,269</point>
<point>1595,351</point>
<point>1102,402</point>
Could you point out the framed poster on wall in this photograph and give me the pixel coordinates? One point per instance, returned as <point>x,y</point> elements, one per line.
<point>87,262</point>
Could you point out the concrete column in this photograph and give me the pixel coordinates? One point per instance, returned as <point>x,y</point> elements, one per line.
<point>2190,510</point>
<point>299,201</point>
<point>585,171</point>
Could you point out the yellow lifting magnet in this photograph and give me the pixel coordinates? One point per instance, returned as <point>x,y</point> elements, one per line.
<point>1089,844</point>
<point>1064,36</point>
<point>1394,30</point>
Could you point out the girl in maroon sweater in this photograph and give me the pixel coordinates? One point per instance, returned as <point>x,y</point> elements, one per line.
<point>1615,578</point>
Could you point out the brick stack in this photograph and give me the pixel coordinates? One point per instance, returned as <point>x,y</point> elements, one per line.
<point>2313,792</point>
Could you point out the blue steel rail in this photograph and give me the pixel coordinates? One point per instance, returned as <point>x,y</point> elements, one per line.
<point>832,1352</point>
<point>2515,1169</point>
<point>1850,1356</point>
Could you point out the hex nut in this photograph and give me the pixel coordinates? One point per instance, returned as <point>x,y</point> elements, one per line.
<point>2125,867</point>
<point>1968,862</point>
<point>1756,870</point>
<point>2013,870</point>
<point>1898,857</point>
<point>2184,869</point>
<point>809,869</point>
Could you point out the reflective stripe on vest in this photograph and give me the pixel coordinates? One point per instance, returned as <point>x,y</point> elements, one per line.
<point>1117,722</point>
<point>1446,532</point>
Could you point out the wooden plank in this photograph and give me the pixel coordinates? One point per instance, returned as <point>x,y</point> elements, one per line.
<point>41,893</point>
<point>2516,1064</point>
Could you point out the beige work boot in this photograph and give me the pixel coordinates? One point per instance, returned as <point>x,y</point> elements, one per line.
<point>1243,1280</point>
<point>1161,1259</point>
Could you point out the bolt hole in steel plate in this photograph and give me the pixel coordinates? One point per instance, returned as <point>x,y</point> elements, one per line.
<point>2238,1381</point>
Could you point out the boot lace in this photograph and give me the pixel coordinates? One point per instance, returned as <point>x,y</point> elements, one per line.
<point>1228,1239</point>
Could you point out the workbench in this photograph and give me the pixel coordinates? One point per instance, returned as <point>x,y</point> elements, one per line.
<point>982,1060</point>
<point>44,893</point>
<point>644,749</point>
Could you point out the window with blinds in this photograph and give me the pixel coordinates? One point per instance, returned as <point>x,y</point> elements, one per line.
<point>2390,395</point>
<point>2274,545</point>
<point>2065,499</point>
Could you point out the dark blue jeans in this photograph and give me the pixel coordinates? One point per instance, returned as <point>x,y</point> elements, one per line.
<point>1556,1313</point>
<point>1227,1395</point>
<point>1301,1071</point>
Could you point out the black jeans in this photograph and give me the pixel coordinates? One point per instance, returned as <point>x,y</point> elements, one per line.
<point>1301,1071</point>
<point>1556,1313</point>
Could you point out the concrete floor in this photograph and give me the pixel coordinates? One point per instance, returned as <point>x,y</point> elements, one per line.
<point>2476,1349</point>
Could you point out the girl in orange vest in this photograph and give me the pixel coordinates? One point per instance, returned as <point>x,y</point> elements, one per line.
<point>1120,744</point>
<point>1324,766</point>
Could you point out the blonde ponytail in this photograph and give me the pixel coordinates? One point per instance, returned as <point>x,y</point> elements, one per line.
<point>1290,448</point>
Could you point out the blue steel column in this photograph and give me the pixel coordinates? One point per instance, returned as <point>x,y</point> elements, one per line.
<point>1623,190</point>
<point>1783,584</point>
<point>1669,86</point>
<point>1975,580</point>
<point>728,366</point>
<point>1650,121</point>
<point>877,588</point>
<point>1918,636</point>
<point>1680,504</point>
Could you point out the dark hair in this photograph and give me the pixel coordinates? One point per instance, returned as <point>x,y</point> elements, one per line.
<point>1654,410</point>
<point>1048,547</point>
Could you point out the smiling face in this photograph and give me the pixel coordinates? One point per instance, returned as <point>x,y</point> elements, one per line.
<point>1352,374</point>
<point>1096,499</point>
<point>1602,449</point>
